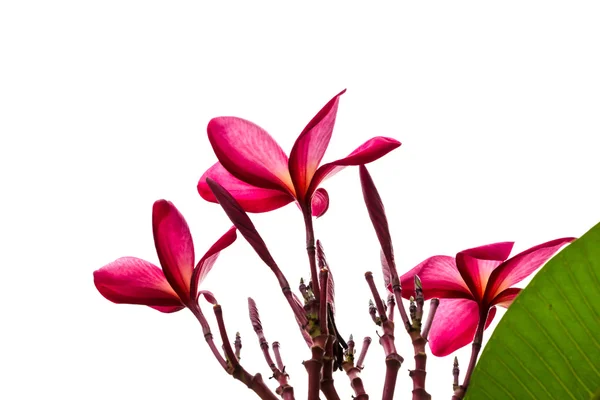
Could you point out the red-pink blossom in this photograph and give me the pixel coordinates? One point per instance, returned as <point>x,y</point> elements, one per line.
<point>472,285</point>
<point>255,170</point>
<point>132,280</point>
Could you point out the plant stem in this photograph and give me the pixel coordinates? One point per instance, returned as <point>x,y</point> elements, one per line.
<point>311,250</point>
<point>253,382</point>
<point>314,366</point>
<point>476,347</point>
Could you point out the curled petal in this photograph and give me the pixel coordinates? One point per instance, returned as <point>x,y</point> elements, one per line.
<point>208,296</point>
<point>371,150</point>
<point>208,260</point>
<point>174,247</point>
<point>454,325</point>
<point>475,265</point>
<point>439,278</point>
<point>506,297</point>
<point>320,202</point>
<point>251,198</point>
<point>522,265</point>
<point>131,280</point>
<point>311,145</point>
<point>249,153</point>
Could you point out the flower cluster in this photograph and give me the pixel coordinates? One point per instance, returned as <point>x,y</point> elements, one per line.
<point>253,174</point>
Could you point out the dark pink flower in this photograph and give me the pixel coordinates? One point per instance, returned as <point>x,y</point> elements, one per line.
<point>473,284</point>
<point>259,175</point>
<point>132,280</point>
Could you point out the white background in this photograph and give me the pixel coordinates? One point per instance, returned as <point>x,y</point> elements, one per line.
<point>103,109</point>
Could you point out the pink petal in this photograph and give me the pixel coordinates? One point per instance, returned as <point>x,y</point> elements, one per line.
<point>250,153</point>
<point>208,296</point>
<point>454,325</point>
<point>475,265</point>
<point>369,151</point>
<point>131,280</point>
<point>251,198</point>
<point>320,202</point>
<point>506,297</point>
<point>522,265</point>
<point>439,278</point>
<point>311,145</point>
<point>208,260</point>
<point>174,247</point>
<point>168,309</point>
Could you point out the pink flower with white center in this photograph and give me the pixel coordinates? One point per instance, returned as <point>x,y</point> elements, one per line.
<point>470,287</point>
<point>259,175</point>
<point>131,280</point>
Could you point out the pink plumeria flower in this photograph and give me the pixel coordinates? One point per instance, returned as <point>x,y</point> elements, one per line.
<point>259,175</point>
<point>472,285</point>
<point>131,280</point>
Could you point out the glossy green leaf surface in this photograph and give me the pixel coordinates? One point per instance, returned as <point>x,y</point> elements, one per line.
<point>547,346</point>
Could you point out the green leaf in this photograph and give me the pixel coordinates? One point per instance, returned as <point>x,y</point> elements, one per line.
<point>547,346</point>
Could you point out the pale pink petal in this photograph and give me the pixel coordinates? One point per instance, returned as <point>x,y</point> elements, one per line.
<point>131,280</point>
<point>249,153</point>
<point>506,297</point>
<point>369,151</point>
<point>208,260</point>
<point>251,198</point>
<point>454,325</point>
<point>319,202</point>
<point>311,145</point>
<point>522,265</point>
<point>476,265</point>
<point>174,247</point>
<point>439,278</point>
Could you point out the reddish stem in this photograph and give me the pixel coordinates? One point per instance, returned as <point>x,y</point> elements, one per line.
<point>311,249</point>
<point>253,382</point>
<point>314,366</point>
<point>476,347</point>
<point>195,309</point>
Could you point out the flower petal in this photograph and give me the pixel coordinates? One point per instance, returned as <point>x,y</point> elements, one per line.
<point>168,309</point>
<point>251,198</point>
<point>174,247</point>
<point>208,260</point>
<point>131,280</point>
<point>439,278</point>
<point>310,146</point>
<point>506,297</point>
<point>369,151</point>
<point>475,265</point>
<point>319,203</point>
<point>522,265</point>
<point>454,325</point>
<point>250,153</point>
<point>208,296</point>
